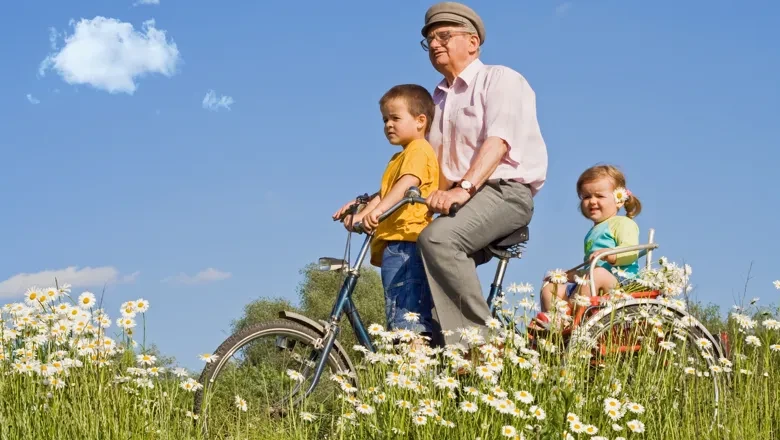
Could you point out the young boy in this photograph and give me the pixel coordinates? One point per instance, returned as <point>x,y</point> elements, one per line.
<point>407,112</point>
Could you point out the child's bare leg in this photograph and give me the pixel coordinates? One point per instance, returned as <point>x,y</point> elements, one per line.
<point>548,292</point>
<point>603,280</point>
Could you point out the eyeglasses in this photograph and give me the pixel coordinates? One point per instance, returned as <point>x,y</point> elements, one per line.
<point>443,37</point>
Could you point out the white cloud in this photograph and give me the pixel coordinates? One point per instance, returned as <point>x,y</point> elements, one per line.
<point>85,277</point>
<point>111,55</point>
<point>53,38</point>
<point>204,276</point>
<point>211,102</point>
<point>147,2</point>
<point>33,99</point>
<point>131,278</point>
<point>563,8</point>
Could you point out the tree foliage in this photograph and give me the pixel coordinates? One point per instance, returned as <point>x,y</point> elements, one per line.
<point>709,315</point>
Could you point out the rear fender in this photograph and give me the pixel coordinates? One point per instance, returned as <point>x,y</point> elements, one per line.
<point>680,313</point>
<point>319,328</point>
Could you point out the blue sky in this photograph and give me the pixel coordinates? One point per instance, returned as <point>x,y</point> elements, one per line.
<point>129,177</point>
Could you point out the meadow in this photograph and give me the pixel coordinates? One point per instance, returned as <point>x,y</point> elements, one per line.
<point>73,370</point>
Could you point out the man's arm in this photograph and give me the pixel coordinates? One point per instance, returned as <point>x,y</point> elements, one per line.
<point>489,155</point>
<point>505,103</point>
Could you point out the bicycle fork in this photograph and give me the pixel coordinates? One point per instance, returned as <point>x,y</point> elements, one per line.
<point>343,305</point>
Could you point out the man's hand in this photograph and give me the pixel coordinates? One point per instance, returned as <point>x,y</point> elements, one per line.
<point>441,201</point>
<point>371,221</point>
<point>344,209</point>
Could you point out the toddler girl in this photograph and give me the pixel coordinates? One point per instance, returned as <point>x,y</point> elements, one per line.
<point>602,192</point>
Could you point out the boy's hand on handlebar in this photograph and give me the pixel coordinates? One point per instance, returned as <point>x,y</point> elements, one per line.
<point>441,201</point>
<point>371,221</point>
<point>351,220</point>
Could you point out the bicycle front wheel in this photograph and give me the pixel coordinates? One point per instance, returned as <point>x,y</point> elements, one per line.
<point>270,366</point>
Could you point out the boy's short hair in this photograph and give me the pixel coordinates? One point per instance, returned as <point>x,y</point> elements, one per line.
<point>418,100</point>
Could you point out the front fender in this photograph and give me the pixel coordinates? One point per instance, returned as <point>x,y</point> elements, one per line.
<point>319,328</point>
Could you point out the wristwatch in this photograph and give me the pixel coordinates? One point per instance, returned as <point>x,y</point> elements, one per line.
<point>468,186</point>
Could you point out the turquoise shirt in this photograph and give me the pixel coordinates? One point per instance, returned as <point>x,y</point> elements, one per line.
<point>614,232</point>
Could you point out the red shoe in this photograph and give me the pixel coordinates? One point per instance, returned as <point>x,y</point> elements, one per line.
<point>540,322</point>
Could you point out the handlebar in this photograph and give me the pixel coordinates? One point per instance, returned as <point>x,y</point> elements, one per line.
<point>412,196</point>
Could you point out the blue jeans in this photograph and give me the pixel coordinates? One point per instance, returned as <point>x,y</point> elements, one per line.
<point>406,287</point>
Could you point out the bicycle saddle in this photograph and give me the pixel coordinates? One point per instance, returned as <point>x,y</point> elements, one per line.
<point>515,238</point>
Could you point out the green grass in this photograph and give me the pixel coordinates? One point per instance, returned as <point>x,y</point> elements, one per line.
<point>64,376</point>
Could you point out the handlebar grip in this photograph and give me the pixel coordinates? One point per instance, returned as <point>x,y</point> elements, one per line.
<point>454,208</point>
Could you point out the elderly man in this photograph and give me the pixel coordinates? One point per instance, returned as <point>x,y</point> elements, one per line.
<point>492,157</point>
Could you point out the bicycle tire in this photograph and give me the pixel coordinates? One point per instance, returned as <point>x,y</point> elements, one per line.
<point>697,330</point>
<point>246,335</point>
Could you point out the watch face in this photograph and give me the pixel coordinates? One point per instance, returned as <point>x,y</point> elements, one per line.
<point>466,185</point>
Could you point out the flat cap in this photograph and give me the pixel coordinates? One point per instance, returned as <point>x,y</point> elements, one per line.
<point>453,12</point>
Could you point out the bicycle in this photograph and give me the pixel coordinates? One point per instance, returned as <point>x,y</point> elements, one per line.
<point>325,351</point>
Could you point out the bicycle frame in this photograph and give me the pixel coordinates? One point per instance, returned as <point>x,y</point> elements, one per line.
<point>344,304</point>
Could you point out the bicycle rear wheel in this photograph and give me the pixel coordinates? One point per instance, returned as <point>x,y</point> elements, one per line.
<point>676,346</point>
<point>255,363</point>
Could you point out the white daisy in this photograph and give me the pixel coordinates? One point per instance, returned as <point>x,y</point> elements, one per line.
<point>32,296</point>
<point>771,324</point>
<point>576,426</point>
<point>524,396</point>
<point>537,412</point>
<point>208,357</point>
<point>191,385</point>
<point>51,293</point>
<point>635,407</point>
<point>753,340</point>
<point>294,375</point>
<point>508,431</point>
<point>412,317</point>
<point>557,276</point>
<point>240,403</point>
<point>636,426</point>
<point>145,359</point>
<point>375,329</point>
<point>141,305</point>
<point>364,408</point>
<point>86,300</point>
<point>621,195</point>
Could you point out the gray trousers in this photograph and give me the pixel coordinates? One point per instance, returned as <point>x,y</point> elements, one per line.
<point>453,247</point>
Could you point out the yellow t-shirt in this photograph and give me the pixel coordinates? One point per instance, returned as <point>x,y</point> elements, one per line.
<point>417,159</point>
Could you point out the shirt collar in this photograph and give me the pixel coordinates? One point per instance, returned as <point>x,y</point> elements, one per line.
<point>466,76</point>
